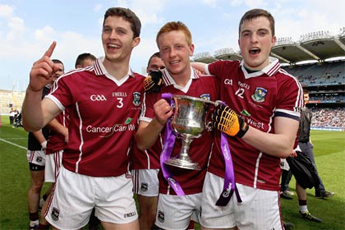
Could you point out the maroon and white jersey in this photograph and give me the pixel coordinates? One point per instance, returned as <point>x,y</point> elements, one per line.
<point>103,117</point>
<point>147,159</point>
<point>56,141</point>
<point>205,87</point>
<point>258,98</point>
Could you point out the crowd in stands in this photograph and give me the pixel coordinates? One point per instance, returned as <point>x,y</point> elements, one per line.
<point>328,117</point>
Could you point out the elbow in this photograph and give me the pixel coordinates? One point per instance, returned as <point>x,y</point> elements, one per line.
<point>141,147</point>
<point>29,127</point>
<point>139,143</point>
<point>286,151</point>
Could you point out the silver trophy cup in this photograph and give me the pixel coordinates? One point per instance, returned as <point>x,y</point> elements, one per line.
<point>189,121</point>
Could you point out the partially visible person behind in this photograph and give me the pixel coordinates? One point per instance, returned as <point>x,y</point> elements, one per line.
<point>37,144</point>
<point>261,120</point>
<point>145,167</point>
<point>104,103</point>
<point>175,208</point>
<point>155,63</point>
<point>306,145</point>
<point>85,59</point>
<point>56,143</point>
<point>11,115</point>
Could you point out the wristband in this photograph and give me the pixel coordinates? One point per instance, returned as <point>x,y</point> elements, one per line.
<point>44,144</point>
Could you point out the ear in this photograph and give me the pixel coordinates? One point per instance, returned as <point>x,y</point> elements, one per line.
<point>274,39</point>
<point>135,42</point>
<point>191,49</point>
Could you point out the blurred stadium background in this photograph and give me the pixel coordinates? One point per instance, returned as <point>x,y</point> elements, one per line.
<point>317,60</point>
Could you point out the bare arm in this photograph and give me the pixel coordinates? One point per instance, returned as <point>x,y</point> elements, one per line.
<point>280,144</point>
<point>40,138</point>
<point>37,114</point>
<point>148,133</point>
<point>199,66</point>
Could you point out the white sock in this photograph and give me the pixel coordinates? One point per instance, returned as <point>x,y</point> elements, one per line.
<point>34,222</point>
<point>303,208</point>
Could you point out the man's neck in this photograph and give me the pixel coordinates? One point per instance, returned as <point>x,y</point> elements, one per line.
<point>181,79</point>
<point>116,69</point>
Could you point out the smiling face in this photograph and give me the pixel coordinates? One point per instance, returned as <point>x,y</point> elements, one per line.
<point>117,39</point>
<point>175,52</point>
<point>256,40</point>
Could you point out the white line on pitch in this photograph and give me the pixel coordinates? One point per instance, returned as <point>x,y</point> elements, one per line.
<point>14,144</point>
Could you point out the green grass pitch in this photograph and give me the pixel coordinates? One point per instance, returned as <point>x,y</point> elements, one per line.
<point>329,149</point>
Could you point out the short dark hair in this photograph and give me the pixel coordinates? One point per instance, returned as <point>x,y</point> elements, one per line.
<point>157,54</point>
<point>127,15</point>
<point>82,57</point>
<point>255,13</point>
<point>57,61</point>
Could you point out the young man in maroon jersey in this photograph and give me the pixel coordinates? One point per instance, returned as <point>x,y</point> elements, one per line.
<point>261,119</point>
<point>177,205</point>
<point>104,101</point>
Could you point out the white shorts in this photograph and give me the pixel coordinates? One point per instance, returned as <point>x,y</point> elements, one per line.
<point>75,195</point>
<point>260,209</point>
<point>175,212</point>
<point>145,182</point>
<point>37,157</point>
<point>53,164</point>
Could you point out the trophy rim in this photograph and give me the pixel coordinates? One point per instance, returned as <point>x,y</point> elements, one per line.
<point>194,98</point>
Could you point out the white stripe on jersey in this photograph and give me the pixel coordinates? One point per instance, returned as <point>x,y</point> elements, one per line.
<point>81,137</point>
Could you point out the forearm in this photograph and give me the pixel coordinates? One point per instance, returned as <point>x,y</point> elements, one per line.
<point>57,127</point>
<point>148,134</point>
<point>39,136</point>
<point>278,145</point>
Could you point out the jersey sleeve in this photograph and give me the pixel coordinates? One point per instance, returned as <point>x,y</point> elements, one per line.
<point>290,98</point>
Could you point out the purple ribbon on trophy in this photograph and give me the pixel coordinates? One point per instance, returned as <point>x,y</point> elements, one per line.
<point>229,178</point>
<point>169,141</point>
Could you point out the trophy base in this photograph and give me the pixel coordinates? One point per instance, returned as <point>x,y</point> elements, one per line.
<point>185,164</point>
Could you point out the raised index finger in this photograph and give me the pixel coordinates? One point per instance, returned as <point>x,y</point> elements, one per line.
<point>50,50</point>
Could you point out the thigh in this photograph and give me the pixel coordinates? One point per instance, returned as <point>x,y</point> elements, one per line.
<point>175,212</point>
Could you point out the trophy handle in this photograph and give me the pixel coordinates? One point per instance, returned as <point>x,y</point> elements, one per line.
<point>208,120</point>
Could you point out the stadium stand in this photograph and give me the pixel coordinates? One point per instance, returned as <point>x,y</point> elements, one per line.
<point>10,99</point>
<point>309,60</point>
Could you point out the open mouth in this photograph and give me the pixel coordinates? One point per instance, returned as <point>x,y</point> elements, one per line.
<point>254,51</point>
<point>113,46</point>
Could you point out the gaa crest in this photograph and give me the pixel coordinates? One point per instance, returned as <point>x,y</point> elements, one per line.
<point>136,98</point>
<point>259,94</point>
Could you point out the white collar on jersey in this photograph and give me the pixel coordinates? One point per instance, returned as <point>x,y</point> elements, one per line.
<point>168,80</point>
<point>269,70</point>
<point>101,70</point>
